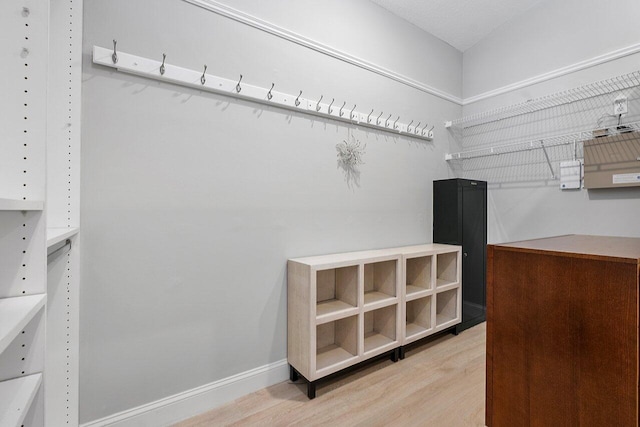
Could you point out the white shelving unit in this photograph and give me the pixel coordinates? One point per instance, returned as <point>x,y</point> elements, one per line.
<point>39,188</point>
<point>16,397</point>
<point>347,308</point>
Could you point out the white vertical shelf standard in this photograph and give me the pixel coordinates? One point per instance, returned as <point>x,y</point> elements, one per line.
<point>63,212</point>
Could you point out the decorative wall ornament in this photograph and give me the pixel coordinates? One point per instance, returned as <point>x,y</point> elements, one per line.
<point>350,156</point>
<point>350,152</point>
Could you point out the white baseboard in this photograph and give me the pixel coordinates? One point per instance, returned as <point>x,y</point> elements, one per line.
<point>192,402</point>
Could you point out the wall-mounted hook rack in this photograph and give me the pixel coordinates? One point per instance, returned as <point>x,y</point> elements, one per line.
<point>150,68</point>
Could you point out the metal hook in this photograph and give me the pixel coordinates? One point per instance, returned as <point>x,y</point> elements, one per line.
<point>386,122</point>
<point>395,126</point>
<point>425,126</point>
<point>351,113</point>
<point>297,101</point>
<point>378,119</point>
<point>114,57</point>
<point>341,113</point>
<point>203,78</point>
<point>429,131</point>
<point>318,103</point>
<point>330,110</point>
<point>238,87</point>
<point>369,116</point>
<point>416,128</point>
<point>162,69</point>
<point>269,95</point>
<point>409,126</point>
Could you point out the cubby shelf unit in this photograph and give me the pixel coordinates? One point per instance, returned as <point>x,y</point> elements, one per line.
<point>347,308</point>
<point>430,272</point>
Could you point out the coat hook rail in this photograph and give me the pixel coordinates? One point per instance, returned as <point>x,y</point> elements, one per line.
<point>162,71</point>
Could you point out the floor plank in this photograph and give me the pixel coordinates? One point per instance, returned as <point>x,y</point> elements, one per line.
<point>440,383</point>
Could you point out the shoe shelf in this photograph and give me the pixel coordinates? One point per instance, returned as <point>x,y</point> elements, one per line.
<point>346,308</point>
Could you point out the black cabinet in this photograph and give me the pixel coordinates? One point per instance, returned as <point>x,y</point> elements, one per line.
<point>460,218</point>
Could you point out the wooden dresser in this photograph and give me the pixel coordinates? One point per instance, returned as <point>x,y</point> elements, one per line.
<point>562,332</point>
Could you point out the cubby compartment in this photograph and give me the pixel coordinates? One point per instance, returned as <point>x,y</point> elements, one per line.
<point>336,342</point>
<point>380,280</point>
<point>336,291</point>
<point>418,275</point>
<point>379,328</point>
<point>446,306</point>
<point>418,316</point>
<point>447,268</point>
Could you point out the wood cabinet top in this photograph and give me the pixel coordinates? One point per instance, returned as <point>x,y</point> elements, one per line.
<point>620,249</point>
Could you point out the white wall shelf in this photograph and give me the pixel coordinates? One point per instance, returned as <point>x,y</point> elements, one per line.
<point>581,93</point>
<point>15,314</point>
<point>16,396</point>
<point>21,205</point>
<point>538,144</point>
<point>564,118</point>
<point>150,68</point>
<point>60,234</point>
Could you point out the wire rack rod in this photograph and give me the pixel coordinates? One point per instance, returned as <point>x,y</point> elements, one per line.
<point>570,138</point>
<point>602,87</point>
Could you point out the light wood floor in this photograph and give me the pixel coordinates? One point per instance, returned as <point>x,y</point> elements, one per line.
<point>439,384</point>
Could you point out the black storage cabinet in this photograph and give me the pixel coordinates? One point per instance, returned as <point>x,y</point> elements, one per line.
<point>460,218</point>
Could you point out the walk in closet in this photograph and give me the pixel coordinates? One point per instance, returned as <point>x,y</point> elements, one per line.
<point>277,212</point>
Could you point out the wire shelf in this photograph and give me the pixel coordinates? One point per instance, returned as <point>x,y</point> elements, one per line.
<point>557,140</point>
<point>526,142</point>
<point>603,87</point>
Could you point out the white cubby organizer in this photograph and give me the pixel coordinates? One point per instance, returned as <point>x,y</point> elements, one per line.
<point>346,308</point>
<point>39,211</point>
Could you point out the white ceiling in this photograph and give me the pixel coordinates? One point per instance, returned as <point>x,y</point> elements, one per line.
<point>461,23</point>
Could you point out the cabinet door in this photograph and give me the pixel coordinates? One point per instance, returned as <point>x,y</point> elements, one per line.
<point>447,205</point>
<point>474,240</point>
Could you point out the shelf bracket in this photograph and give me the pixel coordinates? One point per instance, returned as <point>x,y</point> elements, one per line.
<point>544,150</point>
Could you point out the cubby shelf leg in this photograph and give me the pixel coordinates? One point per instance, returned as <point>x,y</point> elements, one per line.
<point>401,353</point>
<point>293,374</point>
<point>395,355</point>
<point>311,390</point>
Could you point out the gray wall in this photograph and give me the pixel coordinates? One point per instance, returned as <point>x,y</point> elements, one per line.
<point>554,35</point>
<point>192,202</point>
<point>551,35</point>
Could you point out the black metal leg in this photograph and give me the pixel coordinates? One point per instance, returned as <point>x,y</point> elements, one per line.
<point>455,331</point>
<point>311,390</point>
<point>401,353</point>
<point>293,374</point>
<point>395,355</point>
